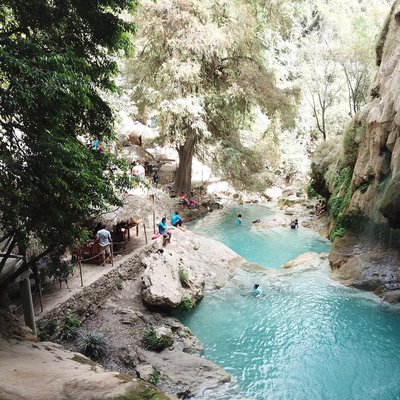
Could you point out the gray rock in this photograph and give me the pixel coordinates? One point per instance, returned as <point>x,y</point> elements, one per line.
<point>145,371</point>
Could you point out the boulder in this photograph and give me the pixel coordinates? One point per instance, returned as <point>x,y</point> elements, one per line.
<point>162,281</point>
<point>307,261</point>
<point>145,371</point>
<point>366,265</point>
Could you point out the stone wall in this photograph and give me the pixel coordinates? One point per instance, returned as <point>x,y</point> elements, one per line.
<point>91,298</point>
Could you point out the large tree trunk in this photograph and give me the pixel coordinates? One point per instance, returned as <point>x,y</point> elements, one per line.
<point>183,180</point>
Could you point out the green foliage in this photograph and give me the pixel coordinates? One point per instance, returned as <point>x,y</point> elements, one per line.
<point>155,377</point>
<point>56,58</point>
<point>339,202</point>
<point>324,165</point>
<point>154,343</point>
<point>352,137</point>
<point>363,188</point>
<point>93,344</point>
<point>204,91</point>
<point>186,303</point>
<point>70,328</point>
<point>383,48</point>
<point>336,232</point>
<point>48,330</point>
<point>311,193</point>
<point>183,275</point>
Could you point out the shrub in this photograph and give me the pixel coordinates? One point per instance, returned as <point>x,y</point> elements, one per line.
<point>48,330</point>
<point>70,329</point>
<point>339,202</point>
<point>183,275</point>
<point>352,137</point>
<point>93,344</point>
<point>324,165</point>
<point>155,377</point>
<point>186,303</point>
<point>154,343</point>
<point>311,192</point>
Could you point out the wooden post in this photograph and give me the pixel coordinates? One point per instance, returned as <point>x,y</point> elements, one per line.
<point>27,303</point>
<point>154,215</point>
<point>38,285</point>
<point>80,272</point>
<point>145,233</point>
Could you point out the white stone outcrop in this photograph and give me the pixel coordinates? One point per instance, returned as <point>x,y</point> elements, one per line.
<point>184,268</point>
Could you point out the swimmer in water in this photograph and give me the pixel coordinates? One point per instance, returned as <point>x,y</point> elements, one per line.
<point>256,291</point>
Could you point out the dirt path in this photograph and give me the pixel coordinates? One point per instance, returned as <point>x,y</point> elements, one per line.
<point>53,295</point>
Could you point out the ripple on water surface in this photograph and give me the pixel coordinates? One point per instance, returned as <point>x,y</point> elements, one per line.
<point>306,337</point>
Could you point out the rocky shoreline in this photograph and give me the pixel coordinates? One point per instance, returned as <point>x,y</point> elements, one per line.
<point>138,296</point>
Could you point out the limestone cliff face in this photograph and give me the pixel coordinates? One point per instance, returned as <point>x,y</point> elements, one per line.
<point>365,253</point>
<point>376,175</point>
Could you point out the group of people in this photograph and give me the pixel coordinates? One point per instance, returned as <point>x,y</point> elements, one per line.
<point>186,201</point>
<point>293,225</point>
<point>176,221</point>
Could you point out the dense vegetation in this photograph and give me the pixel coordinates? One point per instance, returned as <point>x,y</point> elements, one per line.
<point>55,62</point>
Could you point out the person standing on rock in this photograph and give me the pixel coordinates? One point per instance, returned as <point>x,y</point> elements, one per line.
<point>162,229</point>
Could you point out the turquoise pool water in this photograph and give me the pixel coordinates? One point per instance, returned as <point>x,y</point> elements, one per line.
<point>270,248</point>
<point>306,338</point>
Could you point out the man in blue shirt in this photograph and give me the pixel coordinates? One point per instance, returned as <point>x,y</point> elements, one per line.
<point>176,220</point>
<point>162,228</point>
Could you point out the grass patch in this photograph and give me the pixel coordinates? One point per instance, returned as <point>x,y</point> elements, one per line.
<point>155,377</point>
<point>143,392</point>
<point>93,344</point>
<point>48,330</point>
<point>154,343</point>
<point>69,330</point>
<point>186,303</point>
<point>183,275</point>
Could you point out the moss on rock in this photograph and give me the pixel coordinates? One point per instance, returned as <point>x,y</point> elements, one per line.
<point>143,392</point>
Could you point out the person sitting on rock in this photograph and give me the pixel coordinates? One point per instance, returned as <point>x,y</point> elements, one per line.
<point>176,220</point>
<point>162,229</point>
<point>294,224</point>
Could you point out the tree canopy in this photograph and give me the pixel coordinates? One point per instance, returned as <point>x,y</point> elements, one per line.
<point>56,58</point>
<point>200,67</point>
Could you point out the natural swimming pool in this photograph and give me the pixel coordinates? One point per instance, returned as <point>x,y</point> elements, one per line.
<point>306,337</point>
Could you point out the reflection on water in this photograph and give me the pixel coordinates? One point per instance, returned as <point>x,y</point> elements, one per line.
<point>306,337</point>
